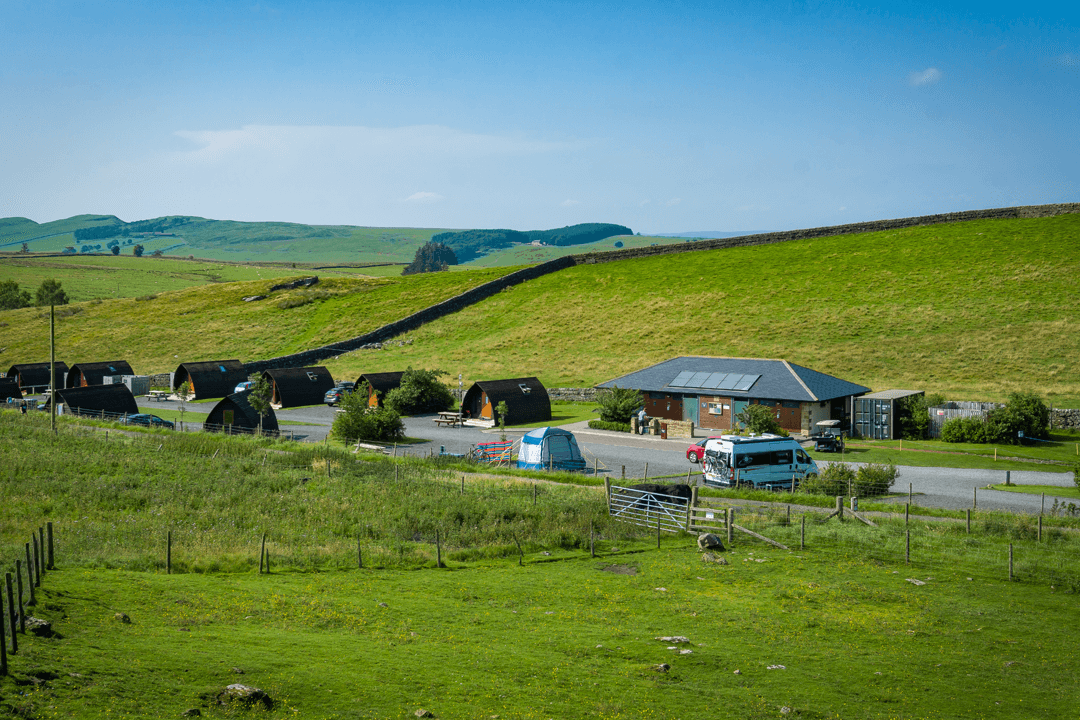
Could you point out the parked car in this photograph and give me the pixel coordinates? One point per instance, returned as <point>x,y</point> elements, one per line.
<point>696,452</point>
<point>246,385</point>
<point>333,395</point>
<point>147,420</point>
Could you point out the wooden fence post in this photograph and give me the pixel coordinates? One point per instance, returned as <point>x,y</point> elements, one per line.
<point>730,513</point>
<point>11,615</point>
<point>50,564</point>
<point>969,522</point>
<point>907,552</point>
<point>974,497</point>
<point>462,484</point>
<point>3,647</point>
<point>1040,528</point>
<point>262,553</point>
<point>839,507</point>
<point>41,548</point>
<point>607,493</point>
<point>690,508</point>
<point>909,493</point>
<point>30,576</point>
<point>534,494</point>
<point>438,549</point>
<point>19,589</point>
<point>907,513</point>
<point>37,561</point>
<point>168,554</point>
<point>623,472</point>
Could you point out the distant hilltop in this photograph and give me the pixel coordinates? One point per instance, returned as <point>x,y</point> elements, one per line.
<point>470,244</point>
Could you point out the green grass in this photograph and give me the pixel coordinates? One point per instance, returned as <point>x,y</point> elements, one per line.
<point>893,456</point>
<point>212,322</point>
<point>555,637</point>
<point>887,310</point>
<point>564,413</point>
<point>1065,492</point>
<point>1063,446</point>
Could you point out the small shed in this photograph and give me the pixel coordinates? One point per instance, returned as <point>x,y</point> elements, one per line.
<point>9,388</point>
<point>381,383</point>
<point>234,414</point>
<point>550,447</point>
<point>296,387</point>
<point>210,379</point>
<point>526,400</point>
<point>85,374</point>
<point>34,376</point>
<point>108,401</point>
<point>876,413</point>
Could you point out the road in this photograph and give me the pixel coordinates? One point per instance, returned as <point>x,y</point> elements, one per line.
<point>951,488</point>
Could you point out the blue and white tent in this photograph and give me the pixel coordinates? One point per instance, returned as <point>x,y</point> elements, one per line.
<point>550,447</point>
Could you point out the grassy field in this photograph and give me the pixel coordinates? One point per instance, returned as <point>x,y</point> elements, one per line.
<point>838,629</point>
<point>155,333</point>
<point>530,254</point>
<point>887,310</point>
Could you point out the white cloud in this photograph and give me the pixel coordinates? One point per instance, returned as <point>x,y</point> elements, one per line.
<point>929,76</point>
<point>570,203</point>
<point>673,201</point>
<point>424,197</point>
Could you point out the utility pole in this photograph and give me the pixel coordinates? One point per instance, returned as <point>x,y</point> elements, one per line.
<point>52,367</point>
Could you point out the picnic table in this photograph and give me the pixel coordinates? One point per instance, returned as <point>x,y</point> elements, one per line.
<point>453,419</point>
<point>159,395</point>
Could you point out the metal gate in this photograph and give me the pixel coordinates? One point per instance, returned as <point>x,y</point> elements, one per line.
<point>646,509</point>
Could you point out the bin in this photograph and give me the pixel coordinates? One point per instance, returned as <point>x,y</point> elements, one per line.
<point>663,431</point>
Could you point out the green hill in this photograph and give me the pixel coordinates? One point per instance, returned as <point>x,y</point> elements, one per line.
<point>972,309</point>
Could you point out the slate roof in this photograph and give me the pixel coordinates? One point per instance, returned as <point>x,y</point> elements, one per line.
<point>778,379</point>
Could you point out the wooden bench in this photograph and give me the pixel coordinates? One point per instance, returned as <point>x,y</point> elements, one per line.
<point>452,422</point>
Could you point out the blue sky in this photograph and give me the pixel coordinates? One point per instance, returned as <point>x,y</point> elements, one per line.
<point>667,117</point>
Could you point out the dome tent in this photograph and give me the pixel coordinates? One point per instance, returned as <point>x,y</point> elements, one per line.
<point>550,447</point>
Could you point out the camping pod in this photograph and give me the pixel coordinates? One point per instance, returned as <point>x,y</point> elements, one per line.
<point>550,447</point>
<point>526,401</point>
<point>9,388</point>
<point>108,401</point>
<point>234,414</point>
<point>211,379</point>
<point>32,376</point>
<point>380,384</point>
<point>297,387</point>
<point>86,374</point>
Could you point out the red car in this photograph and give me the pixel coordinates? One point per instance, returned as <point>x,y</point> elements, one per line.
<point>696,452</point>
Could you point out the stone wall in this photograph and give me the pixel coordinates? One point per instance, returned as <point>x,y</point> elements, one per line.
<point>482,292</point>
<point>1067,419</point>
<point>573,394</point>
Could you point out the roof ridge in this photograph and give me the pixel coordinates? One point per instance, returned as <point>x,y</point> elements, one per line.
<point>796,376</point>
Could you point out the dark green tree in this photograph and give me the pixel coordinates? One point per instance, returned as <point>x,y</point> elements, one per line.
<point>114,249</point>
<point>420,391</point>
<point>259,396</point>
<point>1026,413</point>
<point>50,293</point>
<point>431,257</point>
<point>138,250</point>
<point>11,297</point>
<point>913,415</point>
<point>357,421</point>
<point>759,419</point>
<point>618,404</point>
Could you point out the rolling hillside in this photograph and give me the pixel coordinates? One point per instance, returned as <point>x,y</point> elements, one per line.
<point>973,309</point>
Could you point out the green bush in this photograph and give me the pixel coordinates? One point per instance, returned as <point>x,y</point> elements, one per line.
<point>604,425</point>
<point>873,479</point>
<point>357,421</point>
<point>833,480</point>
<point>760,419</point>
<point>618,404</point>
<point>420,392</point>
<point>967,430</point>
<point>913,415</point>
<point>1026,413</point>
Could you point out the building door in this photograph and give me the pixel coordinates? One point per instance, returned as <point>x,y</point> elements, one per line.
<point>737,406</point>
<point>691,408</point>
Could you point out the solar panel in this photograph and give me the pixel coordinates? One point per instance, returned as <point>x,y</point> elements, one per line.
<point>729,381</point>
<point>747,382</point>
<point>683,379</point>
<point>714,380</point>
<point>698,380</point>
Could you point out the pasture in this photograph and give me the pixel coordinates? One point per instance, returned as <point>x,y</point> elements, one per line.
<point>838,629</point>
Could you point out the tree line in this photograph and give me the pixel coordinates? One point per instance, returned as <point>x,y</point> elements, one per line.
<point>50,292</point>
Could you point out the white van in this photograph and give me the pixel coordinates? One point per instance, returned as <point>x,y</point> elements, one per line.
<point>766,462</point>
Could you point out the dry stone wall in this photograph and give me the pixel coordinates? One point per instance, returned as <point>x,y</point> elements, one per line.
<point>482,292</point>
<point>1065,419</point>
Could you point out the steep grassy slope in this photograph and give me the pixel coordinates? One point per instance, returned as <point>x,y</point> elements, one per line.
<point>208,322</point>
<point>971,309</point>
